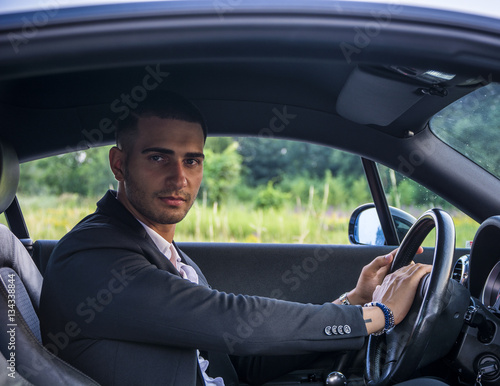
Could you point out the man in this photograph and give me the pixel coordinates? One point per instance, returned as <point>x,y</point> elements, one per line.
<point>124,305</point>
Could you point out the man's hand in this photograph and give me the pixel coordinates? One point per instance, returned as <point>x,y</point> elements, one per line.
<point>397,292</point>
<point>371,276</point>
<point>398,289</point>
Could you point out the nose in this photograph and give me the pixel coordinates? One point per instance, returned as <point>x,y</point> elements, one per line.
<point>177,176</point>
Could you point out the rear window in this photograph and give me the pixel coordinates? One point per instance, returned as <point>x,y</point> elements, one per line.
<point>471,125</point>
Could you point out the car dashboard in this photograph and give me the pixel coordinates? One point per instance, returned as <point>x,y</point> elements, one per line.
<point>477,353</point>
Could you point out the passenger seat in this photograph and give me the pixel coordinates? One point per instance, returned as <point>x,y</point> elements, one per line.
<point>28,361</point>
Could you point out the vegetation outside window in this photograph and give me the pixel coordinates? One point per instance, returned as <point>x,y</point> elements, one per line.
<point>470,126</point>
<point>404,193</point>
<point>253,190</point>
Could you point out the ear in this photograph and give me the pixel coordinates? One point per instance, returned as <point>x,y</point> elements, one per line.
<point>117,162</point>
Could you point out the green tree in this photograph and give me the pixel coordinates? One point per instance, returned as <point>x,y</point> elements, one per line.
<point>277,160</point>
<point>337,190</point>
<point>359,192</point>
<point>271,197</point>
<point>85,172</point>
<point>221,172</point>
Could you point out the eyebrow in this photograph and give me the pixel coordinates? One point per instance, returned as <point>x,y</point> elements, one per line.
<point>169,151</point>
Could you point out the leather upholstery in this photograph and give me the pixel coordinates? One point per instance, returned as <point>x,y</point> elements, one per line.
<point>28,361</point>
<point>9,175</point>
<point>32,360</point>
<point>13,254</point>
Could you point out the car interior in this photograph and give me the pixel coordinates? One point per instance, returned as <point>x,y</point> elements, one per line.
<point>305,72</point>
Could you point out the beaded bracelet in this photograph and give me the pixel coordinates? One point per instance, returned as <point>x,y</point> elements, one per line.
<point>388,315</point>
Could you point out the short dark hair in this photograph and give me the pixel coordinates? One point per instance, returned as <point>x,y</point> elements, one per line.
<point>161,104</point>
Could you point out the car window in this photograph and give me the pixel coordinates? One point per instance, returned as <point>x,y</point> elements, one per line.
<point>406,194</point>
<point>253,190</point>
<point>470,126</point>
<point>57,192</point>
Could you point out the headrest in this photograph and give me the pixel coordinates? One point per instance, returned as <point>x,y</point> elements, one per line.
<point>9,175</point>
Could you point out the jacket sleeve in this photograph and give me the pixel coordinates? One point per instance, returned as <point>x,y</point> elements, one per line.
<point>116,293</point>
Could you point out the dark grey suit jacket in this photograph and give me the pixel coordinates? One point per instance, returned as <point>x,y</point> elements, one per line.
<point>113,306</point>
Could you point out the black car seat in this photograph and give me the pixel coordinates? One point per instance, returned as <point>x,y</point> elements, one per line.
<point>28,361</point>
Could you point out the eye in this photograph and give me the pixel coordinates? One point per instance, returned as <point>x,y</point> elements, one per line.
<point>193,162</point>
<point>156,158</point>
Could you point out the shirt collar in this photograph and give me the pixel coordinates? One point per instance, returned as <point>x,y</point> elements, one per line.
<point>162,244</point>
<point>186,271</point>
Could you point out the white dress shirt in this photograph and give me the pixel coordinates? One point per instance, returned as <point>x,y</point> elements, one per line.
<point>188,273</point>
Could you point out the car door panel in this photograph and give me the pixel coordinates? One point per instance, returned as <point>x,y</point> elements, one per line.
<point>296,272</point>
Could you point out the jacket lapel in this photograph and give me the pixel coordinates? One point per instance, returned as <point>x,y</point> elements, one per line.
<point>111,207</point>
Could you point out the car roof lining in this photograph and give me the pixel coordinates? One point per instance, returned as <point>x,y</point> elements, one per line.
<point>239,71</point>
<point>257,63</point>
<point>60,102</point>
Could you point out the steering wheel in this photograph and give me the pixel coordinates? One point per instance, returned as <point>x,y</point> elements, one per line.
<point>395,355</point>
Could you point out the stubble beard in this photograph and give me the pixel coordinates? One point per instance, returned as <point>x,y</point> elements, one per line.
<point>144,202</point>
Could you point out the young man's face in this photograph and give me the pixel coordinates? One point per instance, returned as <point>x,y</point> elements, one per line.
<point>161,170</point>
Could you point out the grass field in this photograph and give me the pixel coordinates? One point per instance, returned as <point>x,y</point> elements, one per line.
<point>50,217</point>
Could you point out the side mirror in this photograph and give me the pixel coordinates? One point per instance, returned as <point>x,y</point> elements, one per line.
<point>365,228</point>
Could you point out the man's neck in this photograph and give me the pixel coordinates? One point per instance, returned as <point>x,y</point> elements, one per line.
<point>166,231</point>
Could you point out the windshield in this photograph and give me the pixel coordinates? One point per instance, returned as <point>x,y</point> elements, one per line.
<point>471,126</point>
